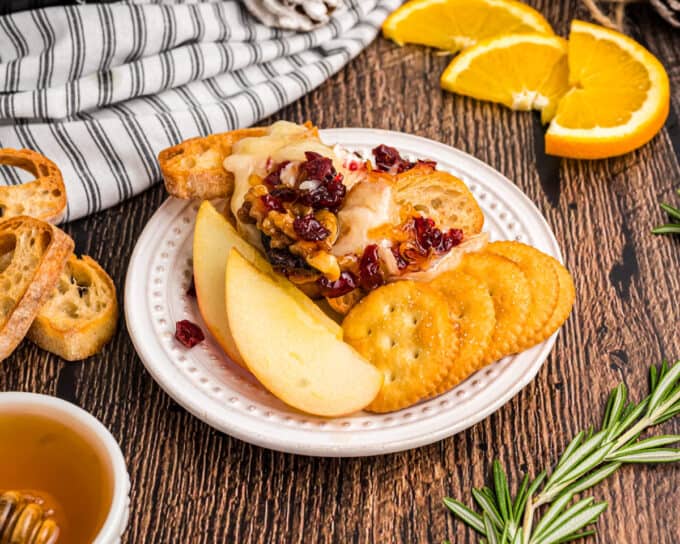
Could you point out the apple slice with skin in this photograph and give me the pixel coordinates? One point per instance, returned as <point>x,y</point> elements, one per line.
<point>213,239</point>
<point>291,352</point>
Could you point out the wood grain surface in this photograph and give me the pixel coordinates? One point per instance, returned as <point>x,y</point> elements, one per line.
<point>192,484</point>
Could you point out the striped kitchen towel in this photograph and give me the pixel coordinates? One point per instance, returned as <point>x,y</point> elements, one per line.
<point>101,89</point>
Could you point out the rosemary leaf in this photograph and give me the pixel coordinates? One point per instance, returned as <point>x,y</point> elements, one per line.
<point>668,228</point>
<point>502,491</point>
<point>584,516</point>
<point>490,530</point>
<point>659,455</point>
<point>674,214</point>
<point>671,211</point>
<point>518,537</point>
<point>576,536</point>
<point>593,478</point>
<point>552,513</point>
<point>664,389</point>
<point>581,453</point>
<point>575,443</point>
<point>615,405</point>
<point>521,499</point>
<point>470,517</point>
<point>672,412</point>
<point>650,443</point>
<point>488,507</point>
<point>563,517</point>
<point>633,415</point>
<point>589,458</point>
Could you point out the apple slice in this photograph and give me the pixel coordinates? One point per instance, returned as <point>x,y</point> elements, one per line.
<point>289,350</point>
<point>213,239</point>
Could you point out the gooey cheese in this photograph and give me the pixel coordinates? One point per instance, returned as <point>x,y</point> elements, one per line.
<point>369,205</point>
<point>250,157</point>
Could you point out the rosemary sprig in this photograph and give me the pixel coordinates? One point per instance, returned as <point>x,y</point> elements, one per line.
<point>673,227</point>
<point>545,510</point>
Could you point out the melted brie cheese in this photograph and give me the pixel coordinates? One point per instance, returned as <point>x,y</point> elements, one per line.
<point>448,261</point>
<point>369,205</point>
<point>250,157</point>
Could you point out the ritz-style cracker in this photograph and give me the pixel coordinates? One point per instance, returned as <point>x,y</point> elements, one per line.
<point>471,306</point>
<point>511,298</point>
<point>543,284</point>
<point>565,301</point>
<point>405,331</point>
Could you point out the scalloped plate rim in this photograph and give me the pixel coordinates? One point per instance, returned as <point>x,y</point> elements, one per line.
<point>244,426</point>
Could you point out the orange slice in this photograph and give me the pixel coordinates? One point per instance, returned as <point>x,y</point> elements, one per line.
<point>452,25</point>
<point>522,71</point>
<point>619,97</point>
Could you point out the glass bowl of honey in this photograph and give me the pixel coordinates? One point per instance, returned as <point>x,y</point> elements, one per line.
<point>63,477</point>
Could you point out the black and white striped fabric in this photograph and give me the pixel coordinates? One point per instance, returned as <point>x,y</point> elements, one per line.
<point>101,89</point>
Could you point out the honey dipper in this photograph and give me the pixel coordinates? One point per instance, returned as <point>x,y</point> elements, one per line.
<point>25,520</point>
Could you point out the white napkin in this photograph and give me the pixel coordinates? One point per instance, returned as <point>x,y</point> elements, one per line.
<point>101,89</point>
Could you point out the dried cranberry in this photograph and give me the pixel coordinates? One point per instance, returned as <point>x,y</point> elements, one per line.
<point>191,290</point>
<point>388,159</point>
<point>274,177</point>
<point>343,285</point>
<point>284,261</point>
<point>370,275</point>
<point>272,204</point>
<point>401,261</point>
<point>188,334</point>
<point>285,194</point>
<point>449,240</point>
<point>316,167</point>
<point>281,259</point>
<point>429,237</point>
<point>309,229</point>
<point>330,193</point>
<point>423,227</point>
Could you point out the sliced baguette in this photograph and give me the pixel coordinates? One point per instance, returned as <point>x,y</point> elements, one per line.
<point>32,257</point>
<point>193,168</point>
<point>43,198</point>
<point>81,315</point>
<point>440,196</point>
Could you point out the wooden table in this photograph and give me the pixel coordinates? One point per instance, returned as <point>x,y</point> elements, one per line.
<point>191,483</point>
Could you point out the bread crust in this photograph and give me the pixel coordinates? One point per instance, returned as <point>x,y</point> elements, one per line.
<point>77,338</point>
<point>193,168</point>
<point>40,285</point>
<point>441,196</point>
<point>43,198</point>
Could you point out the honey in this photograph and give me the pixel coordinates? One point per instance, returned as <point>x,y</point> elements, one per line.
<point>60,470</point>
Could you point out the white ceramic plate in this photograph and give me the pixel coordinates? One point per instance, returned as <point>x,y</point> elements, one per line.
<point>217,391</point>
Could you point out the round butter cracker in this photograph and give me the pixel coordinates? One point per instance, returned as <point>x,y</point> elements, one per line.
<point>543,284</point>
<point>511,296</point>
<point>404,330</point>
<point>471,306</point>
<point>565,302</point>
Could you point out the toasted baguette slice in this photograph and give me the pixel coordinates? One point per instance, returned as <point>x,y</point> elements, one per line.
<point>193,169</point>
<point>81,315</point>
<point>43,198</point>
<point>441,196</point>
<point>32,257</point>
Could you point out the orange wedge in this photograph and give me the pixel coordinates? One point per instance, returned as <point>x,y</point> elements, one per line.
<point>619,96</point>
<point>522,71</point>
<point>452,25</point>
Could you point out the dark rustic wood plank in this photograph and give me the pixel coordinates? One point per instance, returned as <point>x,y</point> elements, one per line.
<point>193,484</point>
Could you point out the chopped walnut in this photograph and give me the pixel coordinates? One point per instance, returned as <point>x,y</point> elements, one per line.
<point>326,263</point>
<point>275,217</point>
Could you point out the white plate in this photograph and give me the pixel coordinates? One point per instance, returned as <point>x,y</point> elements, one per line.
<point>217,391</point>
